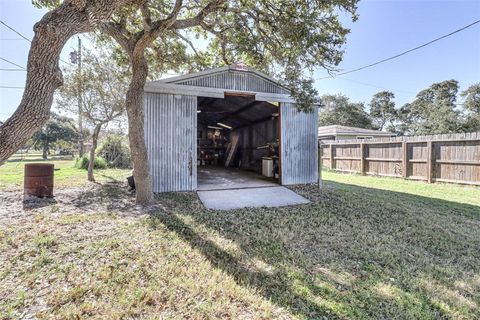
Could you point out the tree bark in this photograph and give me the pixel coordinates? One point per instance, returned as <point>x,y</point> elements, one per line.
<point>136,136</point>
<point>43,74</point>
<point>91,160</point>
<point>45,152</point>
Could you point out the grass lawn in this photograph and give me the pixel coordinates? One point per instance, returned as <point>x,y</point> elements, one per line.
<point>364,248</point>
<point>66,175</point>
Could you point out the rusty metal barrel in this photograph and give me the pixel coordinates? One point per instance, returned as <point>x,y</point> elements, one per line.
<point>38,180</point>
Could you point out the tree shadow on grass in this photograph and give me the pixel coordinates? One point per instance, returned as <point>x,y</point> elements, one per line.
<point>109,196</point>
<point>274,286</point>
<point>31,202</point>
<point>353,252</point>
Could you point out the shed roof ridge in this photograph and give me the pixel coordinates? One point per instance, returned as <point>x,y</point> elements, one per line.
<point>212,71</point>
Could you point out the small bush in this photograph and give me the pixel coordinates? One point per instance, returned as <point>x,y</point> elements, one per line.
<point>82,163</point>
<point>115,151</point>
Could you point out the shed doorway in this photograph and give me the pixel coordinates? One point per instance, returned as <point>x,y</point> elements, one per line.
<point>238,141</point>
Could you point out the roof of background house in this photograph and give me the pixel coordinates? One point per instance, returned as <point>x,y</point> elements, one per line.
<point>344,130</point>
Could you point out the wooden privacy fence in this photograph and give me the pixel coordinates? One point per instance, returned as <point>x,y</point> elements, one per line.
<point>444,158</point>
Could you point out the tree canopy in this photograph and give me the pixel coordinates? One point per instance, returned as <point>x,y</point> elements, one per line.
<point>434,110</point>
<point>471,104</point>
<point>102,86</point>
<point>283,38</point>
<point>337,109</point>
<point>382,109</point>
<point>57,129</point>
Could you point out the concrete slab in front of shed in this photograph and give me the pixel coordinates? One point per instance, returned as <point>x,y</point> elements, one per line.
<point>250,198</point>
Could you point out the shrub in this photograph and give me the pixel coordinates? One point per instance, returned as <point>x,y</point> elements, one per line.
<point>115,151</point>
<point>82,163</point>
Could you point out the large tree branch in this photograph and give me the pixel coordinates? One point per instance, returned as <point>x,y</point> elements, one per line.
<point>187,41</point>
<point>200,17</point>
<point>147,17</point>
<point>43,74</point>
<point>144,38</point>
<point>176,10</point>
<point>119,32</point>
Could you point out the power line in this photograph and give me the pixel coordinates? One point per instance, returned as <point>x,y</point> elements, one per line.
<point>375,86</point>
<point>18,33</point>
<point>12,63</point>
<point>9,87</point>
<point>405,52</point>
<point>25,38</point>
<point>7,69</point>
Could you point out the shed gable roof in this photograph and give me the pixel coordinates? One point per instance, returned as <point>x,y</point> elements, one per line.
<point>237,77</point>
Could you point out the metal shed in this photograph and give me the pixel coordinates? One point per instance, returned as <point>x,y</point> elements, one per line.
<point>242,102</point>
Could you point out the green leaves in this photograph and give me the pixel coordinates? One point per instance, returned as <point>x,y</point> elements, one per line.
<point>338,110</point>
<point>471,98</point>
<point>56,129</point>
<point>471,104</point>
<point>434,109</point>
<point>283,38</point>
<point>382,109</point>
<point>49,4</point>
<point>102,85</point>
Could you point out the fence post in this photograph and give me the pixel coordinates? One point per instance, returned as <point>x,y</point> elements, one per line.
<point>320,165</point>
<point>429,161</point>
<point>362,158</point>
<point>332,165</point>
<point>404,159</point>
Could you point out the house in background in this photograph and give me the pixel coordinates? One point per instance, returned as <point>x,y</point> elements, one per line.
<point>337,132</point>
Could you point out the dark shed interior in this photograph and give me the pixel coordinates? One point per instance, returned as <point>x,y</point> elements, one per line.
<point>237,132</point>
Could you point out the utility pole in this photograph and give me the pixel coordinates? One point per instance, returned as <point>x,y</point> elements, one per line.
<point>76,57</point>
<point>80,103</point>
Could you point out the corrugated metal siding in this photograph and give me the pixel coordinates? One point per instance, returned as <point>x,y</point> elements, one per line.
<point>299,154</point>
<point>171,138</point>
<point>261,134</point>
<point>236,80</point>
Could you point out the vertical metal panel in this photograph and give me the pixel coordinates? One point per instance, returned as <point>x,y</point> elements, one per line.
<point>299,154</point>
<point>254,136</point>
<point>236,80</point>
<point>171,138</point>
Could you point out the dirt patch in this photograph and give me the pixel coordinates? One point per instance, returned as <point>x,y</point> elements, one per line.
<point>89,199</point>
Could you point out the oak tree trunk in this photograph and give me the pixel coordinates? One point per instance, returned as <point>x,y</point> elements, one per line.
<point>43,74</point>
<point>91,160</point>
<point>136,135</point>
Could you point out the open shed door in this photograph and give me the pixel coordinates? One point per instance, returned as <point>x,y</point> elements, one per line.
<point>171,138</point>
<point>298,145</point>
